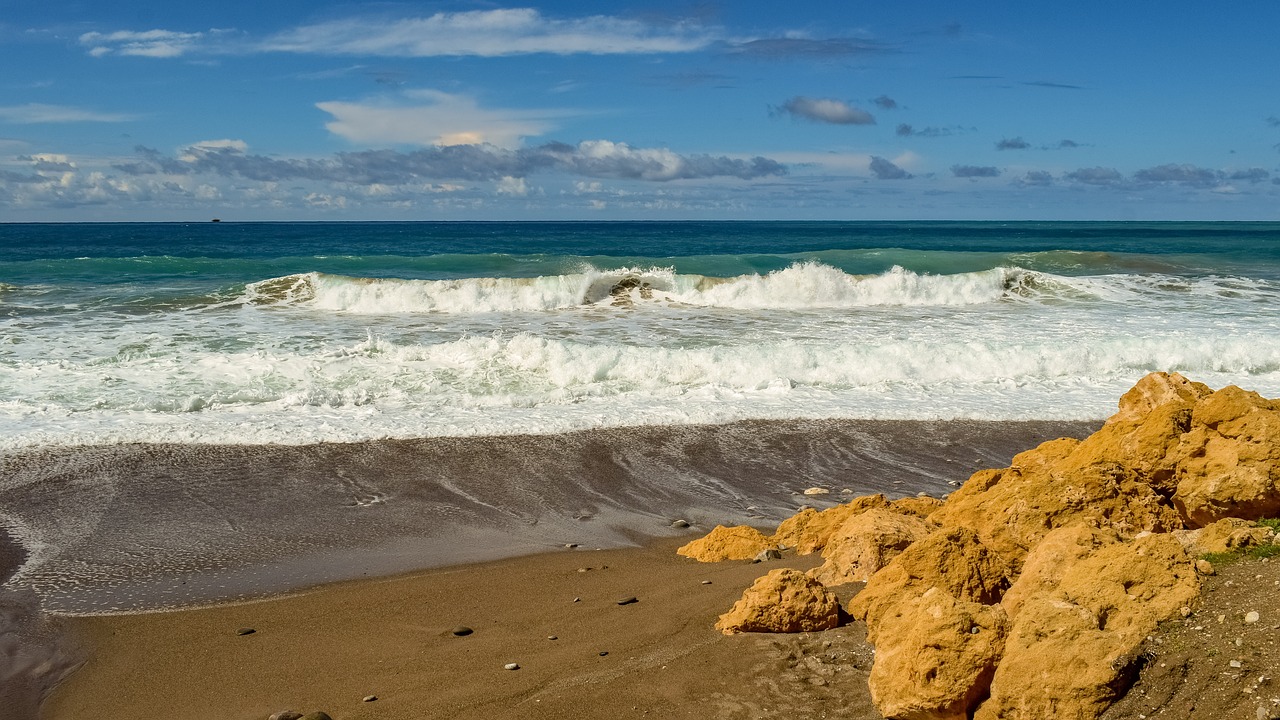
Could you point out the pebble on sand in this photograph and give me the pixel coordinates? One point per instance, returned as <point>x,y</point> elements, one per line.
<point>706,582</point>
<point>1252,617</point>
<point>816,491</point>
<point>246,631</point>
<point>511,666</point>
<point>370,698</point>
<point>628,600</point>
<point>461,630</point>
<point>680,524</point>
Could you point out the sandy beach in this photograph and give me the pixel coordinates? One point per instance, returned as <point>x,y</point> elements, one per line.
<point>329,648</point>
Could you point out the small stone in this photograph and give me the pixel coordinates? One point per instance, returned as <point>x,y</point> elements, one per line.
<point>680,524</point>
<point>706,582</point>
<point>571,545</point>
<point>1204,567</point>
<point>817,491</point>
<point>552,637</point>
<point>583,569</point>
<point>628,600</point>
<point>511,666</point>
<point>1252,617</point>
<point>246,631</point>
<point>768,554</point>
<point>846,491</point>
<point>975,630</point>
<point>922,494</point>
<point>953,483</point>
<point>285,715</point>
<point>578,599</point>
<point>603,653</point>
<point>1236,664</point>
<point>1184,611</point>
<point>370,698</point>
<point>1222,619</point>
<point>462,631</point>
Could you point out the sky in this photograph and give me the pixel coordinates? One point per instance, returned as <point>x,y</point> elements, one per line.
<point>290,110</point>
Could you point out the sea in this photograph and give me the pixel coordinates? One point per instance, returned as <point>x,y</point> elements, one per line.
<point>294,333</point>
<point>205,412</point>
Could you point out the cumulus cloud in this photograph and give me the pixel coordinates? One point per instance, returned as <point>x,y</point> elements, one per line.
<point>1096,176</point>
<point>594,158</point>
<point>905,130</point>
<point>1183,174</point>
<point>885,170</point>
<point>38,113</point>
<point>489,33</point>
<point>1251,175</point>
<point>826,110</point>
<point>1012,144</point>
<point>436,118</point>
<point>974,171</point>
<point>885,102</point>
<point>147,43</point>
<point>1036,178</point>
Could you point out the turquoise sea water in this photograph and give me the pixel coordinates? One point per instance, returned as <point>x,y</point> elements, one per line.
<point>300,332</point>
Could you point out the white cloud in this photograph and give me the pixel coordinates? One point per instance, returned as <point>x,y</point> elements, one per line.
<point>826,110</point>
<point>445,120</point>
<point>488,33</point>
<point>513,186</point>
<point>146,43</point>
<point>37,113</point>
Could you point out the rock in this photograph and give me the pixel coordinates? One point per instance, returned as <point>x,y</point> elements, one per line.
<point>865,543</point>
<point>783,601</point>
<point>1074,649</point>
<point>571,545</point>
<point>1225,535</point>
<point>768,554</point>
<point>817,491</point>
<point>920,506</point>
<point>1204,567</point>
<point>808,530</point>
<point>936,656</point>
<point>370,698</point>
<point>706,582</point>
<point>511,666</point>
<point>1252,617</point>
<point>1045,564</point>
<point>680,524</point>
<point>628,600</point>
<point>246,631</point>
<point>727,543</point>
<point>462,631</point>
<point>286,715</point>
<point>552,637</point>
<point>952,559</point>
<point>1229,461</point>
<point>317,715</point>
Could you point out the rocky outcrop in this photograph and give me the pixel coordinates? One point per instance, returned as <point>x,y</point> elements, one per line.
<point>865,543</point>
<point>1072,649</point>
<point>809,530</point>
<point>935,657</point>
<point>784,601</point>
<point>921,506</point>
<point>728,543</point>
<point>1225,535</point>
<point>1047,562</point>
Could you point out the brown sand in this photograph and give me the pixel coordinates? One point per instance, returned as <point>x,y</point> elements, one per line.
<point>329,648</point>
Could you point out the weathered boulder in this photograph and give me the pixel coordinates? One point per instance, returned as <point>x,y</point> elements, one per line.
<point>784,601</point>
<point>1223,536</point>
<point>808,530</point>
<point>1228,464</point>
<point>867,542</point>
<point>1045,565</point>
<point>727,543</point>
<point>921,506</point>
<point>953,559</point>
<point>936,657</point>
<point>1061,482</point>
<point>1072,650</point>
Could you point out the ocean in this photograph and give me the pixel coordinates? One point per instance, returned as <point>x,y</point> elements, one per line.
<point>307,332</point>
<point>203,412</point>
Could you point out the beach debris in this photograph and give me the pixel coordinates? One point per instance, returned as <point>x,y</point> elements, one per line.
<point>767,554</point>
<point>370,698</point>
<point>461,631</point>
<point>680,524</point>
<point>785,600</point>
<point>628,600</point>
<point>511,666</point>
<point>245,631</point>
<point>285,715</point>
<point>817,491</point>
<point>727,543</point>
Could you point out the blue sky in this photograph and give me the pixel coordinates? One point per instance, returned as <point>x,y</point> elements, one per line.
<point>656,110</point>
